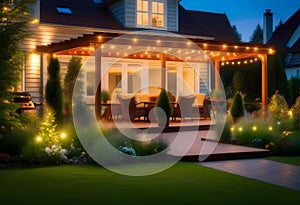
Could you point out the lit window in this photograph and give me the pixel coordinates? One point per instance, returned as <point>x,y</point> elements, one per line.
<point>150,13</point>
<point>63,10</point>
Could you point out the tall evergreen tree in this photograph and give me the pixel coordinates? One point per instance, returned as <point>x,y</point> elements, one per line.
<point>257,35</point>
<point>69,82</point>
<point>14,20</point>
<point>237,34</point>
<point>54,97</point>
<point>277,79</point>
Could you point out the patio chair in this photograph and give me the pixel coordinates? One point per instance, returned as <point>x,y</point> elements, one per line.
<point>184,107</point>
<point>130,110</point>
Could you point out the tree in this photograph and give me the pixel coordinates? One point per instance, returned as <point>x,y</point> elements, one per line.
<point>277,79</point>
<point>164,103</point>
<point>69,82</point>
<point>237,34</point>
<point>279,25</point>
<point>237,109</point>
<point>14,20</point>
<point>257,35</point>
<point>54,97</point>
<point>238,81</point>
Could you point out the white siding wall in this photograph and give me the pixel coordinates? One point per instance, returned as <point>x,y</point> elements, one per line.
<point>33,76</point>
<point>130,13</point>
<point>172,18</point>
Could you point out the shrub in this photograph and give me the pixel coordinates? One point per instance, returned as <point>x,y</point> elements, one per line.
<point>278,108</point>
<point>105,96</point>
<point>226,134</point>
<point>164,103</point>
<point>12,140</point>
<point>296,113</point>
<point>135,147</point>
<point>289,143</point>
<point>238,81</point>
<point>237,106</point>
<point>54,97</point>
<point>46,147</point>
<point>255,132</point>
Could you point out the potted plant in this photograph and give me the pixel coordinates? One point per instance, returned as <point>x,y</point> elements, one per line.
<point>164,103</point>
<point>237,109</point>
<point>105,96</point>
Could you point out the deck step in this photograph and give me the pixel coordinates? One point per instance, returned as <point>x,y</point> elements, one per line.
<point>227,156</point>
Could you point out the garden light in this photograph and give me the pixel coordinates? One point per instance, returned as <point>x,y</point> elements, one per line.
<point>290,113</point>
<point>63,135</point>
<point>270,128</point>
<point>254,128</point>
<point>240,129</point>
<point>232,129</point>
<point>38,139</point>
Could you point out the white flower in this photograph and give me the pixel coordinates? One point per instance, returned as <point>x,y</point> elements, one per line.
<point>48,150</point>
<point>53,147</point>
<point>63,151</point>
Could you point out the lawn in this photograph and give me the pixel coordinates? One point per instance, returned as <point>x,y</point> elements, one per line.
<point>295,160</point>
<point>184,183</point>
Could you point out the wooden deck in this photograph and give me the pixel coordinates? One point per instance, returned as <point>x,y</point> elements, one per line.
<point>194,141</point>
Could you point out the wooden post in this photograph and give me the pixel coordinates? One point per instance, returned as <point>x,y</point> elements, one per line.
<point>264,82</point>
<point>97,55</point>
<point>163,71</point>
<point>217,74</point>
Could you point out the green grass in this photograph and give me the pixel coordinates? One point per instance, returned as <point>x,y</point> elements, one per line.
<point>294,160</point>
<point>184,183</point>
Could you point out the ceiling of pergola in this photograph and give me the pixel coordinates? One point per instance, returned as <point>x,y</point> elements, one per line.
<point>141,46</point>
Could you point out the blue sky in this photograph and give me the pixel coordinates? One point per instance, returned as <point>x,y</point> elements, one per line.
<point>246,14</point>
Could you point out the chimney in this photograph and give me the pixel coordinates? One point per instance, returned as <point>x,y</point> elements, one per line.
<point>268,25</point>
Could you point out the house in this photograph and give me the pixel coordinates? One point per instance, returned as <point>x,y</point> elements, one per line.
<point>145,60</point>
<point>286,39</point>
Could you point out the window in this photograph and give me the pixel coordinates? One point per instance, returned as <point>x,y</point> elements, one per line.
<point>63,10</point>
<point>151,13</point>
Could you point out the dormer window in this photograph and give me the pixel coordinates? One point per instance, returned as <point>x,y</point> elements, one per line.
<point>151,13</point>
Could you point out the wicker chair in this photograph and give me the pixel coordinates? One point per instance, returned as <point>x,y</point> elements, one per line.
<point>184,107</point>
<point>130,110</point>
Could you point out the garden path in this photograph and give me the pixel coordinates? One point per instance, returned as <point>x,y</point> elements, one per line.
<point>261,169</point>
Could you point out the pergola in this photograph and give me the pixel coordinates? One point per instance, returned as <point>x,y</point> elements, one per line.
<point>219,53</point>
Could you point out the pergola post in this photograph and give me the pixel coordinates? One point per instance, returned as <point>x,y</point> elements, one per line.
<point>98,88</point>
<point>163,71</point>
<point>217,74</point>
<point>264,82</point>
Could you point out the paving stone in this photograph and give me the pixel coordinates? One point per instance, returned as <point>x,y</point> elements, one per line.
<point>276,173</point>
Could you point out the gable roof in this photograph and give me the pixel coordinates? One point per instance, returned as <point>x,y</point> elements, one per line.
<point>85,13</point>
<point>88,14</point>
<point>215,24</point>
<point>284,32</point>
<point>187,24</point>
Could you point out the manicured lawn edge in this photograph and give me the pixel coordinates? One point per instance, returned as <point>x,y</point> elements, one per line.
<point>293,160</point>
<point>184,183</point>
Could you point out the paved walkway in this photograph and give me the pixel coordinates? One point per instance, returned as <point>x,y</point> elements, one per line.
<point>261,169</point>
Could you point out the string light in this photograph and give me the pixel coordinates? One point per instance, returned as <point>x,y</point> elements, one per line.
<point>249,61</point>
